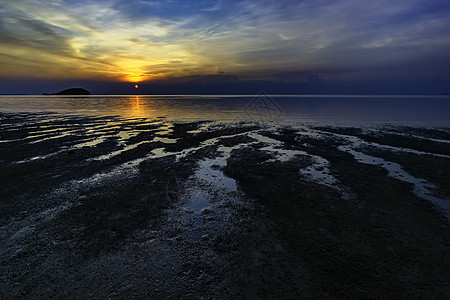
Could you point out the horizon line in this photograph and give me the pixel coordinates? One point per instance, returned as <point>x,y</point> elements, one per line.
<point>240,95</point>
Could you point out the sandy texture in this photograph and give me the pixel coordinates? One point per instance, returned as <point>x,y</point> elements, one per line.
<point>108,207</point>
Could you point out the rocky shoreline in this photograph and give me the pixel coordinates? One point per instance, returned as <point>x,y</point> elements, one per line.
<point>110,207</point>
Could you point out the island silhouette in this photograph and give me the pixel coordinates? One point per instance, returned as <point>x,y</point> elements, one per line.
<point>71,91</point>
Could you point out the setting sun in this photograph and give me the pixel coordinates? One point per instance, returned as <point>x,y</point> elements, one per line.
<point>136,86</point>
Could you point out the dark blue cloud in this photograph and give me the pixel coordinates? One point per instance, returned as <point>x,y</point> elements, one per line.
<point>172,10</point>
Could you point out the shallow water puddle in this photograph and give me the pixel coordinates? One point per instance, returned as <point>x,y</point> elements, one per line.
<point>165,140</point>
<point>209,142</point>
<point>207,193</point>
<point>165,129</point>
<point>421,188</point>
<point>203,212</point>
<point>160,152</point>
<point>38,132</point>
<point>194,131</point>
<point>282,155</point>
<point>52,137</point>
<point>118,152</point>
<point>264,139</point>
<point>39,157</point>
<point>419,137</point>
<point>119,172</point>
<point>123,136</point>
<point>210,170</point>
<point>102,129</point>
<point>91,143</point>
<point>358,142</point>
<point>320,172</point>
<point>197,201</point>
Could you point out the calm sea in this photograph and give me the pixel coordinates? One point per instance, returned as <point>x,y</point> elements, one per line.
<point>325,109</point>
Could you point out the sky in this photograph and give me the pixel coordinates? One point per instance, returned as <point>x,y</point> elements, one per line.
<point>204,46</point>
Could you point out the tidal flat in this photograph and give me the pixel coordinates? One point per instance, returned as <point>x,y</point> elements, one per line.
<point>135,208</point>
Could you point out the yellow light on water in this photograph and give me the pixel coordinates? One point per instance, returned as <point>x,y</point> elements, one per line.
<point>137,105</point>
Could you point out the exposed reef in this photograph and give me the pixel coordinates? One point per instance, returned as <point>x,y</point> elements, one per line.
<point>110,207</point>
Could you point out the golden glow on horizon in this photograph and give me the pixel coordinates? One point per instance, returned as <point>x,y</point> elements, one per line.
<point>133,79</point>
<point>111,51</point>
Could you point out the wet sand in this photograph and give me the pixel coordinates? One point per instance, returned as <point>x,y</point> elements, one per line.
<point>113,207</point>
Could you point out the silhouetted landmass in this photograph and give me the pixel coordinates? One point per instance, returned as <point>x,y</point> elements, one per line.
<point>72,91</point>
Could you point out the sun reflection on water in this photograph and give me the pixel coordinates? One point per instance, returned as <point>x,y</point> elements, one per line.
<point>137,104</point>
<point>138,109</point>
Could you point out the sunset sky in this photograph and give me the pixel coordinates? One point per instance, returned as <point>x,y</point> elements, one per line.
<point>49,44</point>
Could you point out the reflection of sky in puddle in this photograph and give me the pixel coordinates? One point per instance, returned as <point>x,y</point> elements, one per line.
<point>123,136</point>
<point>39,157</point>
<point>42,132</point>
<point>209,170</point>
<point>197,202</point>
<point>165,140</point>
<point>118,152</point>
<point>105,128</point>
<point>194,131</point>
<point>358,142</point>
<point>320,172</point>
<point>427,138</point>
<point>160,152</point>
<point>282,155</point>
<point>91,143</point>
<point>165,129</point>
<point>52,137</point>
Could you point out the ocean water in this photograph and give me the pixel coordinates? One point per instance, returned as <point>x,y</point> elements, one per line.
<point>429,111</point>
